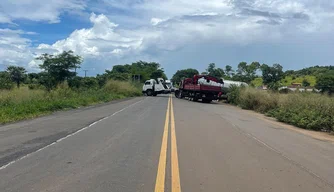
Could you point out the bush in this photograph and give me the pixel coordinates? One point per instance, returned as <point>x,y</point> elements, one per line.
<point>233,94</point>
<point>75,82</point>
<point>102,80</point>
<point>285,90</point>
<point>305,110</point>
<point>89,83</point>
<point>261,101</point>
<point>121,87</point>
<point>309,111</point>
<point>34,86</point>
<point>5,81</point>
<point>83,83</point>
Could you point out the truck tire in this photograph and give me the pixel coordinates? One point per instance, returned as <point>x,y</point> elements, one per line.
<point>206,100</point>
<point>177,92</point>
<point>149,92</point>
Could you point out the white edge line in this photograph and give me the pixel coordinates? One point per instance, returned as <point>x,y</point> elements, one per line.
<point>67,136</point>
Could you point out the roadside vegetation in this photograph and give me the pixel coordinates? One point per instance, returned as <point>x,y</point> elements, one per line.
<point>306,110</point>
<point>27,95</point>
<point>22,103</point>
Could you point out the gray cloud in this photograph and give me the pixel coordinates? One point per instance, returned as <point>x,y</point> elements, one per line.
<point>274,18</point>
<point>254,12</point>
<point>241,3</point>
<point>301,16</point>
<point>269,22</point>
<point>199,17</point>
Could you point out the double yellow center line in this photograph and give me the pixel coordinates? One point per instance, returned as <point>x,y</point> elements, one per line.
<point>160,180</point>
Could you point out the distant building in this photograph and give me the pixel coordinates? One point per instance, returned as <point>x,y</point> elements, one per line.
<point>299,87</point>
<point>296,85</point>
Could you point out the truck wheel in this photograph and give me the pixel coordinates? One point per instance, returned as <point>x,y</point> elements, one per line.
<point>180,95</point>
<point>177,94</point>
<point>195,99</point>
<point>206,101</point>
<point>149,92</point>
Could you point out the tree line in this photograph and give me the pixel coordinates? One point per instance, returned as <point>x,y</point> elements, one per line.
<point>56,69</point>
<point>273,76</point>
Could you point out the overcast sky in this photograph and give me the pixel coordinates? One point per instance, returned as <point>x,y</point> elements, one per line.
<point>176,33</point>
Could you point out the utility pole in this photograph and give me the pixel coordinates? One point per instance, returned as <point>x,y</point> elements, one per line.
<point>85,72</point>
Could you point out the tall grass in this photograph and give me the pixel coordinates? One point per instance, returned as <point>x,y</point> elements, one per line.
<point>24,103</point>
<point>305,110</point>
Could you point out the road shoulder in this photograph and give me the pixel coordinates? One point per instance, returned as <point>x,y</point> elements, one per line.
<point>323,136</point>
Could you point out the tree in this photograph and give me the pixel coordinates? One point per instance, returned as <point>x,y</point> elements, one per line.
<point>47,81</point>
<point>185,73</point>
<point>17,74</point>
<point>121,69</point>
<point>101,80</point>
<point>117,76</point>
<point>158,74</point>
<point>139,70</point>
<point>305,83</point>
<point>312,71</point>
<point>211,68</point>
<point>247,72</point>
<point>60,67</point>
<point>32,77</point>
<point>75,82</point>
<point>229,71</point>
<point>89,82</point>
<point>215,72</point>
<point>289,72</point>
<point>325,83</point>
<point>257,82</point>
<point>272,75</point>
<point>5,80</point>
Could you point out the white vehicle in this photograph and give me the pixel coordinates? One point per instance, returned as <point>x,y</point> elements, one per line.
<point>169,85</point>
<point>154,87</point>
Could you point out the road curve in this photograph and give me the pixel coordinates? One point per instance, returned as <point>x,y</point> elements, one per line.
<point>161,144</point>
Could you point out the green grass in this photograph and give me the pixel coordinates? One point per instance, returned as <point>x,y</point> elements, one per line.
<point>19,104</point>
<point>306,110</point>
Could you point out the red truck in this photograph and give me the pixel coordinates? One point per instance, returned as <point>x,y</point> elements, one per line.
<point>195,90</point>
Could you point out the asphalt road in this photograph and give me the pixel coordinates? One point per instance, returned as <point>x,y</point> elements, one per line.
<point>161,144</point>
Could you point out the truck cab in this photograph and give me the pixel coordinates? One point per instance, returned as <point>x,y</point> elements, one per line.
<point>154,87</point>
<point>169,85</point>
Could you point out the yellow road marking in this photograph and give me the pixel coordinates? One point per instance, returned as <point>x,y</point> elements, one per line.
<point>176,186</point>
<point>160,180</point>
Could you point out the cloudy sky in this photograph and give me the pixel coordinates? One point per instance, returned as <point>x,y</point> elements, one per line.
<point>176,33</point>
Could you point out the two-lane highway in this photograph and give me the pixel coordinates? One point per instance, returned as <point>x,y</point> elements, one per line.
<point>161,144</point>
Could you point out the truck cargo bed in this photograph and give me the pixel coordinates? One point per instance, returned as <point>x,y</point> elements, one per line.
<point>192,87</point>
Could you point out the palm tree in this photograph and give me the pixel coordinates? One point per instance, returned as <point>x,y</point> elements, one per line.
<point>17,74</point>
